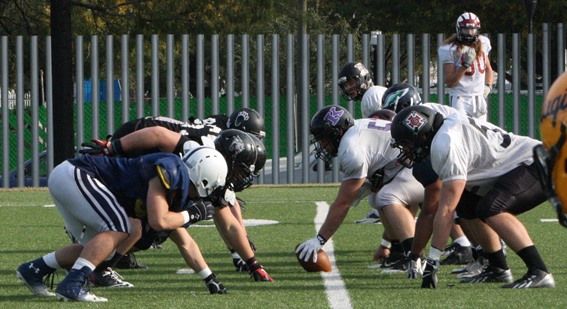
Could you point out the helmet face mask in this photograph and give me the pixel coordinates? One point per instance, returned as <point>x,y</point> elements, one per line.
<point>245,157</point>
<point>328,126</point>
<point>207,169</point>
<point>400,96</point>
<point>468,28</point>
<point>354,79</point>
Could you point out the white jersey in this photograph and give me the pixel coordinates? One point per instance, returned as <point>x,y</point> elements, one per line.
<point>477,152</point>
<point>444,110</point>
<point>365,148</point>
<point>472,83</point>
<point>372,100</point>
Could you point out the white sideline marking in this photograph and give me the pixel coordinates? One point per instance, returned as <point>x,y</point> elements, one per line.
<point>548,220</point>
<point>337,293</point>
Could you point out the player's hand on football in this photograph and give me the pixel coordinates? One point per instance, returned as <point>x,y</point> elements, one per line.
<point>310,248</point>
<point>430,274</point>
<point>469,57</point>
<point>97,147</point>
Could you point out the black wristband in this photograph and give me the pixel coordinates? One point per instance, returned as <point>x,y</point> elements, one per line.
<point>321,239</point>
<point>116,147</point>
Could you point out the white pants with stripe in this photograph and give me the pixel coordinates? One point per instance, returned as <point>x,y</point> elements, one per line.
<point>86,205</point>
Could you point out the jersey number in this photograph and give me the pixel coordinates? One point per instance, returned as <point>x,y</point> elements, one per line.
<point>379,125</point>
<point>481,65</point>
<point>506,139</point>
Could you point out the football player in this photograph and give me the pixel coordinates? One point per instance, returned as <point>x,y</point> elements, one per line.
<point>356,84</point>
<point>368,164</point>
<point>96,195</point>
<point>466,67</point>
<point>498,172</point>
<point>245,154</point>
<point>551,156</point>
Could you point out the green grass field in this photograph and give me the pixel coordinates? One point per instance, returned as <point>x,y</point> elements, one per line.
<point>30,230</point>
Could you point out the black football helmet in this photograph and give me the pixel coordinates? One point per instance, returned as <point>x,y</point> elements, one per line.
<point>468,27</point>
<point>241,152</point>
<point>247,120</point>
<point>400,96</point>
<point>328,127</point>
<point>412,131</point>
<point>354,72</point>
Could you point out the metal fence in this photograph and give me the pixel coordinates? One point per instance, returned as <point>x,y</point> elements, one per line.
<point>286,78</point>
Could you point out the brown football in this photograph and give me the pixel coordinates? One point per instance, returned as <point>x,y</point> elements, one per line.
<point>323,263</point>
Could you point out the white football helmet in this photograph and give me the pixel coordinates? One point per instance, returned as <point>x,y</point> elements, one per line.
<point>207,169</point>
<point>468,27</point>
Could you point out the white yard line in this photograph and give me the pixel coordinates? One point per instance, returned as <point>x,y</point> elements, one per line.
<point>337,293</point>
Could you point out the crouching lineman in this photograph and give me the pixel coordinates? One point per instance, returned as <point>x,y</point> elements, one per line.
<point>95,195</point>
<point>366,159</point>
<point>245,156</point>
<point>498,169</point>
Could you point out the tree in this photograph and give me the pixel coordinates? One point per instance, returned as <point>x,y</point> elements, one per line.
<point>63,116</point>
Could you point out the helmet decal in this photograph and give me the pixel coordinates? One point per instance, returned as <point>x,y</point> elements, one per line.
<point>334,115</point>
<point>553,106</point>
<point>236,145</point>
<point>415,121</point>
<point>362,68</point>
<point>242,116</point>
<point>393,98</point>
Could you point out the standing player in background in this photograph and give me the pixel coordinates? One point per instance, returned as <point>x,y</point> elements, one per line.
<point>467,68</point>
<point>356,84</point>
<point>551,156</point>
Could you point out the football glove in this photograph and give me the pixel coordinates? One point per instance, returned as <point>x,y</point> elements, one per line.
<point>96,147</point>
<point>199,210</point>
<point>415,268</point>
<point>258,273</point>
<point>487,90</point>
<point>310,248</point>
<point>214,285</point>
<point>469,57</point>
<point>430,274</point>
<point>239,264</point>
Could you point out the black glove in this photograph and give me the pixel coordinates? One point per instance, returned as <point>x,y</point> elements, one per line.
<point>430,274</point>
<point>199,210</point>
<point>214,285</point>
<point>96,147</point>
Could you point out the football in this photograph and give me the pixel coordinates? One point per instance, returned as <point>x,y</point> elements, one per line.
<point>323,263</point>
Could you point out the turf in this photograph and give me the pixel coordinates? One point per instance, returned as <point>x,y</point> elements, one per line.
<point>29,230</point>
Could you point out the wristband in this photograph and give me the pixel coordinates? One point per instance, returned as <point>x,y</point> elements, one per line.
<point>386,243</point>
<point>321,239</point>
<point>185,214</point>
<point>116,147</point>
